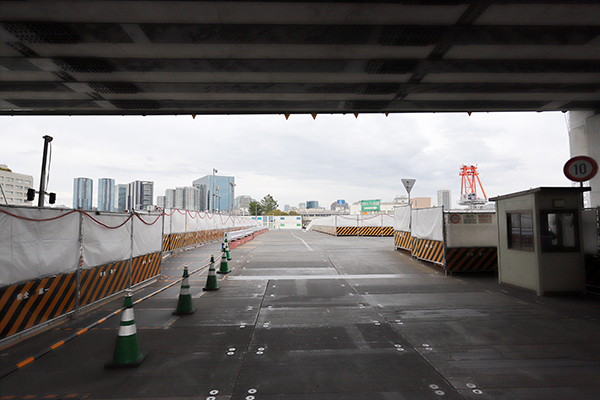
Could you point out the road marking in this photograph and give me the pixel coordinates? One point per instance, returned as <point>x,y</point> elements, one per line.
<point>306,244</point>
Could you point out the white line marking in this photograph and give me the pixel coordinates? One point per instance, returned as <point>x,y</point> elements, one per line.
<point>306,244</point>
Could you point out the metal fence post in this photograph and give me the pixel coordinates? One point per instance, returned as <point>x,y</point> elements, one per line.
<point>79,267</point>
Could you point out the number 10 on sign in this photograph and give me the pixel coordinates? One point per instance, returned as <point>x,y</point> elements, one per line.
<point>580,169</point>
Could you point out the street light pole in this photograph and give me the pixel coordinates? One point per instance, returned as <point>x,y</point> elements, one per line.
<point>212,205</point>
<point>47,139</point>
<point>231,199</point>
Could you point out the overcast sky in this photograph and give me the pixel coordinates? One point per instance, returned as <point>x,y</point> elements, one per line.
<point>332,157</point>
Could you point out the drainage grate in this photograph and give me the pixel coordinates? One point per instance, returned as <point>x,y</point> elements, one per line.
<point>391,66</point>
<point>365,105</point>
<point>411,35</point>
<point>84,65</point>
<point>41,32</point>
<point>21,48</point>
<point>377,88</point>
<point>135,104</point>
<point>114,88</point>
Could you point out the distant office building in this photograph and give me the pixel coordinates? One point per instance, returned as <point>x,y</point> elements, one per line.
<point>301,206</point>
<point>160,202</point>
<point>420,202</point>
<point>14,187</point>
<point>121,197</point>
<point>340,205</point>
<point>242,203</point>
<point>217,194</point>
<point>82,193</point>
<point>444,198</point>
<point>312,204</point>
<point>286,208</point>
<point>106,194</point>
<point>140,195</point>
<point>187,198</point>
<point>170,198</point>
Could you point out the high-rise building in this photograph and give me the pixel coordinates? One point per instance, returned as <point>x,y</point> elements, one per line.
<point>82,193</point>
<point>160,202</point>
<point>14,187</point>
<point>170,198</point>
<point>217,194</point>
<point>312,204</point>
<point>140,195</point>
<point>187,198</point>
<point>120,197</point>
<point>106,194</point>
<point>444,198</point>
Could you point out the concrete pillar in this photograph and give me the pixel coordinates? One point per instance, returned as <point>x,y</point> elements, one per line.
<point>584,140</point>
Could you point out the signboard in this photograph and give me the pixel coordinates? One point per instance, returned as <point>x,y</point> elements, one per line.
<point>408,184</point>
<point>341,202</point>
<point>370,205</point>
<point>580,168</point>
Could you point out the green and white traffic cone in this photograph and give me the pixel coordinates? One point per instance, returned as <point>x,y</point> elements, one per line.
<point>227,249</point>
<point>127,351</point>
<point>224,269</point>
<point>211,280</point>
<point>184,304</point>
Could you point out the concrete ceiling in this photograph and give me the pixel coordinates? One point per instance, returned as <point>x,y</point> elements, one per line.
<point>195,57</point>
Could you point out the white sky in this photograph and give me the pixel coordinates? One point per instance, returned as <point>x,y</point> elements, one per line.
<point>330,158</point>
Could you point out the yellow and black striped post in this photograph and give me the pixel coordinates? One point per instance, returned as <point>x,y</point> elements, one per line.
<point>184,303</point>
<point>127,351</point>
<point>211,279</point>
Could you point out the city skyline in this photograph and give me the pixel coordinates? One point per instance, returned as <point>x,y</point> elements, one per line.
<point>328,158</point>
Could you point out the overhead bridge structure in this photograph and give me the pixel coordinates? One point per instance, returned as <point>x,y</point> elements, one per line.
<point>240,57</point>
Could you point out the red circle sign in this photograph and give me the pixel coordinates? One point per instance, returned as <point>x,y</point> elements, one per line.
<point>580,168</point>
<point>455,218</point>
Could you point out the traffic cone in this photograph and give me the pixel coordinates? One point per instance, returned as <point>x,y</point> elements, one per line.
<point>224,269</point>
<point>184,304</point>
<point>127,351</point>
<point>227,249</point>
<point>211,280</point>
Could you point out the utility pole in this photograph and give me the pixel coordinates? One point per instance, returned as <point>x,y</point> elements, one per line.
<point>47,139</point>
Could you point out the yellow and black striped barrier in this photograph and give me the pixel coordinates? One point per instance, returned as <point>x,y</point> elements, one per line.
<point>403,240</point>
<point>346,230</point>
<point>472,259</point>
<point>26,305</point>
<point>429,250</point>
<point>58,344</point>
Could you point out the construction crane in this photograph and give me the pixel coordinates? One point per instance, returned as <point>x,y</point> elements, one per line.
<point>468,187</point>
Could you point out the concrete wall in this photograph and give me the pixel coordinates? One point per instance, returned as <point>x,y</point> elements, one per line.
<point>516,267</point>
<point>584,140</point>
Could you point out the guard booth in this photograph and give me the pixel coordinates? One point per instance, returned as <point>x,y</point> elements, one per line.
<point>539,240</point>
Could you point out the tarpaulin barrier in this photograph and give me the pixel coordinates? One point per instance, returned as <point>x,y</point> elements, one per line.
<point>54,261</point>
<point>471,240</point>
<point>354,225</point>
<point>184,228</point>
<point>458,240</point>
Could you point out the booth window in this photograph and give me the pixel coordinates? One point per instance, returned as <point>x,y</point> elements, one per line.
<point>520,230</point>
<point>559,231</point>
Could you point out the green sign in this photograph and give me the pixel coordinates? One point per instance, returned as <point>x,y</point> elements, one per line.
<point>370,205</point>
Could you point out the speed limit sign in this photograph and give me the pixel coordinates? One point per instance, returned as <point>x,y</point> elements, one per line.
<point>580,168</point>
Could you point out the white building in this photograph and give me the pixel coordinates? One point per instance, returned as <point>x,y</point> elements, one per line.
<point>14,187</point>
<point>444,198</point>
